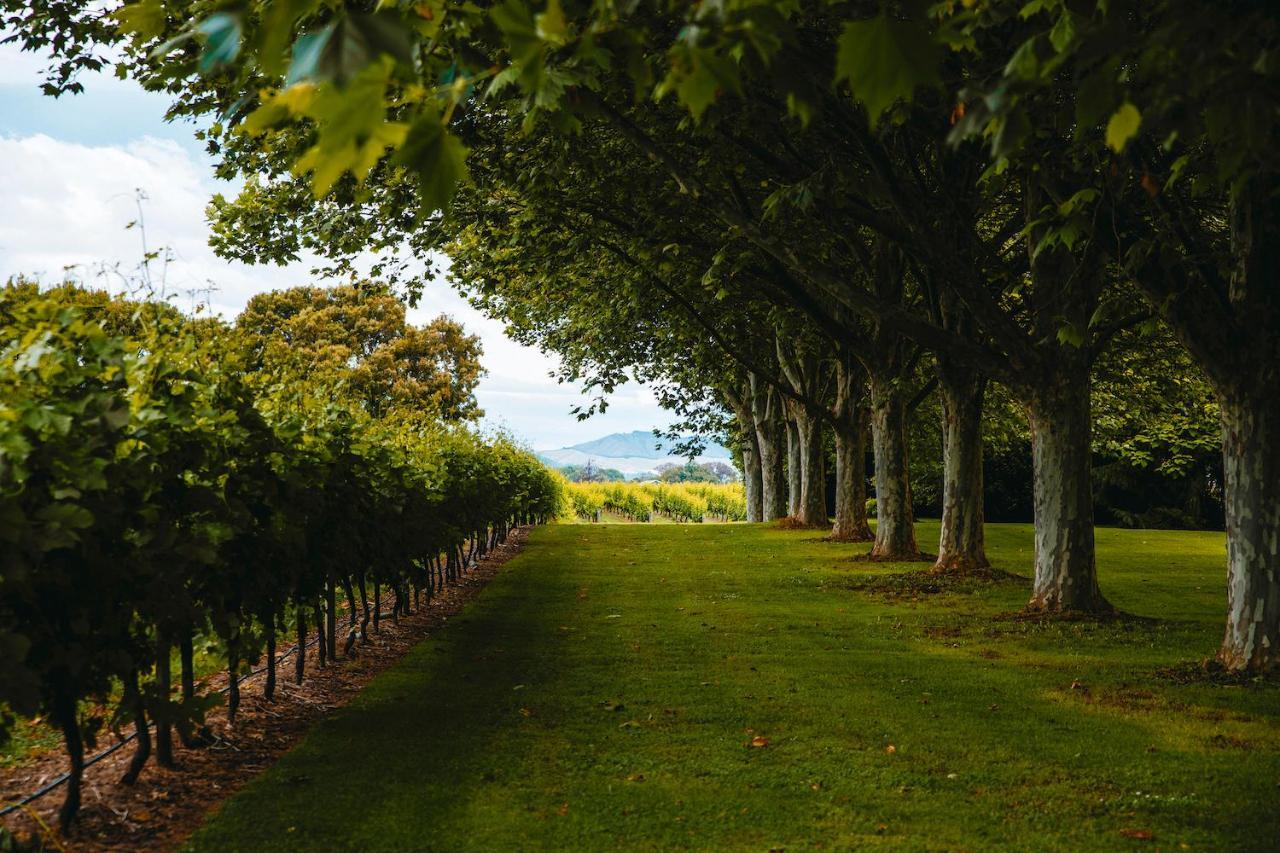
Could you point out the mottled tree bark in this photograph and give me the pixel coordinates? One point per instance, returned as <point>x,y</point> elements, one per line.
<point>851,417</point>
<point>811,508</point>
<point>895,518</point>
<point>770,438</point>
<point>851,524</point>
<point>1066,576</point>
<point>739,399</point>
<point>1251,461</point>
<point>1249,394</point>
<point>751,480</point>
<point>795,466</point>
<point>961,542</point>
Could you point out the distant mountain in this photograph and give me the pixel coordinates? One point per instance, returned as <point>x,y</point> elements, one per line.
<point>629,452</point>
<point>640,444</point>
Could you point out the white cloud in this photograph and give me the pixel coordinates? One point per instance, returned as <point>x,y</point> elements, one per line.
<point>68,204</point>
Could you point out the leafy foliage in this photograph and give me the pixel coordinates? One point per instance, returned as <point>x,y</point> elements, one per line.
<point>168,481</point>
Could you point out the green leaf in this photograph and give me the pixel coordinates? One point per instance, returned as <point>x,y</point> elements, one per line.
<point>307,51</point>
<point>1063,32</point>
<point>704,79</point>
<point>438,158</point>
<point>1081,198</point>
<point>221,31</point>
<point>551,26</point>
<point>1122,127</point>
<point>1025,62</point>
<point>145,20</point>
<point>885,60</point>
<point>1070,336</point>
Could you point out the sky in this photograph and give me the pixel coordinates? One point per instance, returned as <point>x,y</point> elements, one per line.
<point>72,171</point>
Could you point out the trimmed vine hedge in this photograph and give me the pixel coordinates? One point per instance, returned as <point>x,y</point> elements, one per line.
<point>154,495</point>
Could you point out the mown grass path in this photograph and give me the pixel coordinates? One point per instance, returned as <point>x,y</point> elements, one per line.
<point>605,691</point>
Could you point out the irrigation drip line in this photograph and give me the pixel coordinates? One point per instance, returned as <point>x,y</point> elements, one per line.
<point>58,781</point>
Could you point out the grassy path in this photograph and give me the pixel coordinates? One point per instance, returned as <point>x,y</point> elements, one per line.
<point>606,689</point>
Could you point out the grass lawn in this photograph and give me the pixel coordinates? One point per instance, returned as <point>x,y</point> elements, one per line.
<point>607,688</point>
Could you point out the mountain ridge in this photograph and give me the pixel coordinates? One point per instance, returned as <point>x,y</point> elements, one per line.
<point>629,452</point>
<point>641,444</point>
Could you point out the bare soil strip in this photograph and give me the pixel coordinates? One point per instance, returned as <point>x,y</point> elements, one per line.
<point>162,808</point>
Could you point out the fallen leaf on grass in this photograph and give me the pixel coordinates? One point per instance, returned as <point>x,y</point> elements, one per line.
<point>563,810</point>
<point>1140,834</point>
<point>526,712</point>
<point>890,749</point>
<point>759,741</point>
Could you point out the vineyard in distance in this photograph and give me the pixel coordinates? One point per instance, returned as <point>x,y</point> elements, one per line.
<point>942,339</point>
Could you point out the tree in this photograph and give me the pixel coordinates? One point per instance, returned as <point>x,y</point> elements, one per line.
<point>361,332</point>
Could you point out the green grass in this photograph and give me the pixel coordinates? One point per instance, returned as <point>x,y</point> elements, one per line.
<point>605,689</point>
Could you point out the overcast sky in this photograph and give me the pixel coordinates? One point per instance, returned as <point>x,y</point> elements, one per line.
<point>70,170</point>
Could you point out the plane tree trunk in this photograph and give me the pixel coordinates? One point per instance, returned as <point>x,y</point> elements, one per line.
<point>961,541</point>
<point>767,407</point>
<point>850,417</point>
<point>895,518</point>
<point>794,467</point>
<point>811,508</point>
<point>1066,574</point>
<point>739,399</point>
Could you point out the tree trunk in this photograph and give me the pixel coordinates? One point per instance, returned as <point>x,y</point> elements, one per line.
<point>1251,461</point>
<point>331,617</point>
<point>812,507</point>
<point>766,410</point>
<point>322,647</point>
<point>795,465</point>
<point>142,735</point>
<point>961,543</point>
<point>300,662</point>
<point>186,659</point>
<point>269,689</point>
<point>895,518</point>
<point>164,686</point>
<point>752,484</point>
<point>233,676</point>
<point>1066,575</point>
<point>186,655</point>
<point>851,523</point>
<point>364,609</point>
<point>64,713</point>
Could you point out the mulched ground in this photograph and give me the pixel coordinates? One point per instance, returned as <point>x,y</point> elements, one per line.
<point>913,585</point>
<point>165,806</point>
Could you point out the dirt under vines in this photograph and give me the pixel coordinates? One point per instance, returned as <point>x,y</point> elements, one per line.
<point>165,806</point>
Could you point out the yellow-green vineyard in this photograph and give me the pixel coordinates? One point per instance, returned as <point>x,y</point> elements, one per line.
<point>643,502</point>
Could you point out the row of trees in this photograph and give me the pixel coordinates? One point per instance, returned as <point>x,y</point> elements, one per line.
<point>168,484</point>
<point>1000,190</point>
